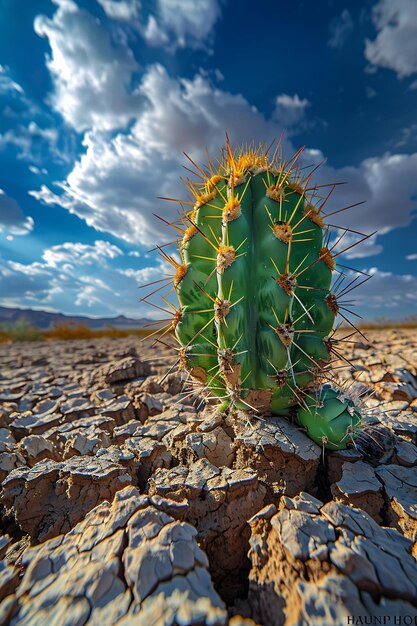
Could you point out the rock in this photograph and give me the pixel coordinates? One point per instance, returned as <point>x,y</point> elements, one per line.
<point>31,424</point>
<point>78,407</point>
<point>50,498</point>
<point>121,433</point>
<point>148,406</point>
<point>317,607</point>
<point>11,395</point>
<point>5,543</point>
<point>360,487</point>
<point>10,461</point>
<point>151,385</point>
<point>102,395</point>
<point>120,371</point>
<point>220,503</point>
<point>285,459</point>
<point>127,563</point>
<point>9,579</point>
<point>336,461</point>
<point>4,418</point>
<point>151,455</point>
<point>35,448</point>
<point>59,435</point>
<point>104,418</point>
<point>402,423</point>
<point>122,456</point>
<point>215,446</point>
<point>84,442</point>
<point>7,441</point>
<point>46,406</point>
<point>406,453</point>
<point>400,487</point>
<point>405,390</point>
<point>120,409</point>
<point>317,565</point>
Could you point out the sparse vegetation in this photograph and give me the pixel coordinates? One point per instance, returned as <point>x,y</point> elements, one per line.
<point>21,331</point>
<point>383,323</point>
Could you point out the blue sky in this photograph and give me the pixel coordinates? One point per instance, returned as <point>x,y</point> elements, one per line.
<point>99,98</point>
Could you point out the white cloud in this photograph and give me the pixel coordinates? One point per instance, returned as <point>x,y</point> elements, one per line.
<point>411,257</point>
<point>170,23</point>
<point>108,290</point>
<point>62,282</point>
<point>80,254</point>
<point>115,184</point>
<point>340,28</point>
<point>395,46</point>
<point>32,133</point>
<point>388,185</point>
<point>12,219</point>
<point>184,23</point>
<point>8,85</point>
<point>385,292</point>
<point>358,247</point>
<point>121,9</point>
<point>38,171</point>
<point>92,77</point>
<point>33,143</point>
<point>290,110</point>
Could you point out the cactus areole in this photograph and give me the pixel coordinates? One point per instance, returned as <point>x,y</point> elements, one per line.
<point>256,309</point>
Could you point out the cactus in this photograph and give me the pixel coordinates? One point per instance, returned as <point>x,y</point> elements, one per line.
<point>253,279</point>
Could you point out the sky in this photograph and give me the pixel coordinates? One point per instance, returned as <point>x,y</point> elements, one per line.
<point>100,98</point>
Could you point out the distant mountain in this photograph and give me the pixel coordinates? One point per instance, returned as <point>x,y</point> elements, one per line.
<point>45,320</point>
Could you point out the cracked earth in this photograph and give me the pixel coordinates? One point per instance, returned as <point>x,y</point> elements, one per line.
<point>124,502</point>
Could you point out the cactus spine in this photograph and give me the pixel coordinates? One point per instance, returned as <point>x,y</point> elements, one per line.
<point>256,310</point>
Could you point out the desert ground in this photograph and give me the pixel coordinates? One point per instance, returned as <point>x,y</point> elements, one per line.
<point>124,501</point>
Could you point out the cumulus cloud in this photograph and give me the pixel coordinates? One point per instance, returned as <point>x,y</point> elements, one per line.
<point>12,219</point>
<point>125,10</point>
<point>388,186</point>
<point>411,257</point>
<point>115,184</point>
<point>78,279</point>
<point>18,288</point>
<point>356,246</point>
<point>289,110</point>
<point>182,22</point>
<point>170,23</point>
<point>385,292</point>
<point>92,78</point>
<point>108,290</point>
<point>340,28</point>
<point>32,134</point>
<point>33,143</point>
<point>80,254</point>
<point>395,46</point>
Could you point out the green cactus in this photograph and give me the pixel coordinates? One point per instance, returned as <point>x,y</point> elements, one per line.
<point>256,312</point>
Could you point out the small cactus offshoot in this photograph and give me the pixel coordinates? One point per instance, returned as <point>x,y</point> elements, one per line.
<point>253,278</point>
